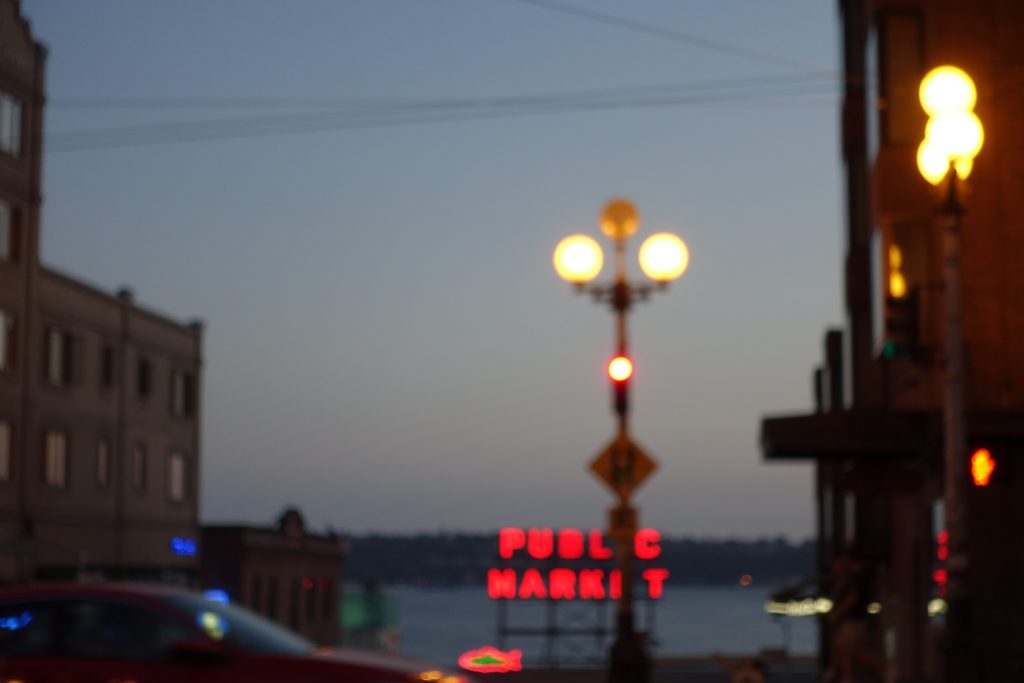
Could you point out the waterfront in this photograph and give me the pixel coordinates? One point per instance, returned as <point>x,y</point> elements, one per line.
<point>440,624</point>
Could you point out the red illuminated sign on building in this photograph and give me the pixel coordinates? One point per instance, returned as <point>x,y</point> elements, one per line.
<point>488,660</point>
<point>567,583</point>
<point>940,575</point>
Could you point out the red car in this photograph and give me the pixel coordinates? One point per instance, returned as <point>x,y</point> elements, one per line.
<point>111,633</point>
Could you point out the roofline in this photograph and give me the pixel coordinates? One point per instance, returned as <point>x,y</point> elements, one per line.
<point>194,327</point>
<point>41,50</point>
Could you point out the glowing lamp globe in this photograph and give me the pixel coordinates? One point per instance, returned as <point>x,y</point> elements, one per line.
<point>947,89</point>
<point>578,259</point>
<point>931,162</point>
<point>664,257</point>
<point>619,219</point>
<point>957,134</point>
<point>620,369</point>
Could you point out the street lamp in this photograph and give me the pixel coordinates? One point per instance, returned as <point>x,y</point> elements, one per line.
<point>623,465</point>
<point>953,137</point>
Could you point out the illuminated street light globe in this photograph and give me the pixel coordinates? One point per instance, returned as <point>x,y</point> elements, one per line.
<point>947,89</point>
<point>578,259</point>
<point>664,257</point>
<point>619,219</point>
<point>931,162</point>
<point>934,164</point>
<point>956,134</point>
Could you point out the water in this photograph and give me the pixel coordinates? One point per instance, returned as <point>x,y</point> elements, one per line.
<point>441,624</point>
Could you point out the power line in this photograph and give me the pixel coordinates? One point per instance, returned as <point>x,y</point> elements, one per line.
<point>392,103</point>
<point>676,36</point>
<point>632,98</point>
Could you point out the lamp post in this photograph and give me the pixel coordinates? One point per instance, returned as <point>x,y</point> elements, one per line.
<point>953,138</point>
<point>578,259</point>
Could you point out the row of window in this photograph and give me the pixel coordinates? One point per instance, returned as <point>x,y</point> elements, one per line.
<point>314,596</point>
<point>55,464</point>
<point>10,124</point>
<point>62,360</point>
<point>62,354</point>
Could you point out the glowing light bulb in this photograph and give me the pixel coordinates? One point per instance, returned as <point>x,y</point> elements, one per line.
<point>578,259</point>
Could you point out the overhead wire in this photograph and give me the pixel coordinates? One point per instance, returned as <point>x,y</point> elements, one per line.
<point>344,113</point>
<point>676,36</point>
<point>444,110</point>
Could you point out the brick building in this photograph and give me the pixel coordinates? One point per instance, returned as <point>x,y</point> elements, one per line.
<point>877,435</point>
<point>283,572</point>
<point>99,412</point>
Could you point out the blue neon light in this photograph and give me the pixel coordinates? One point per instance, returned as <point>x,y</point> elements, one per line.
<point>217,595</point>
<point>15,623</point>
<point>183,546</point>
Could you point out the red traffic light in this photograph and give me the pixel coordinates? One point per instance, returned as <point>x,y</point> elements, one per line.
<point>982,467</point>
<point>620,368</point>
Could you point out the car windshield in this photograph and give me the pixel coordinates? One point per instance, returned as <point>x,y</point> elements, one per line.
<point>239,627</point>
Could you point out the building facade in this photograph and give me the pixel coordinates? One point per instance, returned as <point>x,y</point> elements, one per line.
<point>99,397</point>
<point>284,573</point>
<point>877,435</point>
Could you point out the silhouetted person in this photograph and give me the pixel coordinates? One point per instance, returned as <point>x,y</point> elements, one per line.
<point>853,653</point>
<point>743,670</point>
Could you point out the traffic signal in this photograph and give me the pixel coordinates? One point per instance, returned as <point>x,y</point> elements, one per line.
<point>901,316</point>
<point>620,370</point>
<point>982,467</point>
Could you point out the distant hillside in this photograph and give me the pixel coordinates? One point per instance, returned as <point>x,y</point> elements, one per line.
<point>463,559</point>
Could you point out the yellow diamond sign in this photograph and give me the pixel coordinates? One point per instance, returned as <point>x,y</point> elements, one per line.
<point>623,466</point>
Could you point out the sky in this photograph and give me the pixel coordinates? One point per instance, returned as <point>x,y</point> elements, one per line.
<point>366,228</point>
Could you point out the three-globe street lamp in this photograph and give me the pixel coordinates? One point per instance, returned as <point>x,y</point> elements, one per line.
<point>578,259</point>
<point>953,137</point>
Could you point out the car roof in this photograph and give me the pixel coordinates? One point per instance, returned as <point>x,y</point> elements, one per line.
<point>89,589</point>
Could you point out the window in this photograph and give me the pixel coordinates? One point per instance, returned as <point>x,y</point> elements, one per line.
<point>139,467</point>
<point>176,477</point>
<point>109,630</point>
<point>294,594</point>
<point>59,357</point>
<point>272,597</point>
<point>10,124</point>
<point>327,593</point>
<point>55,459</point>
<point>6,447</point>
<point>8,233</point>
<point>107,366</point>
<point>256,594</point>
<point>182,394</point>
<point>103,463</point>
<point>238,627</point>
<point>28,629</point>
<point>142,378</point>
<point>310,586</point>
<point>7,340</point>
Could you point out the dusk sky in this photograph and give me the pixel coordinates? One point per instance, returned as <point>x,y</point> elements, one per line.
<point>367,232</point>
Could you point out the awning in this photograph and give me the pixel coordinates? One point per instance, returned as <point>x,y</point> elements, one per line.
<point>848,435</point>
<point>880,436</point>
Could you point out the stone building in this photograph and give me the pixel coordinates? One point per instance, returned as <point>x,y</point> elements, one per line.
<point>877,436</point>
<point>284,573</point>
<point>99,397</point>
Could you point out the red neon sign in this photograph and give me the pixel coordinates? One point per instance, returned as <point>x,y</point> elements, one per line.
<point>941,576</point>
<point>569,544</point>
<point>488,660</point>
<point>565,583</point>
